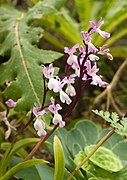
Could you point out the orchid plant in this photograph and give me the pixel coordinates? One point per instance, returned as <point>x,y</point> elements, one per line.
<point>81,67</point>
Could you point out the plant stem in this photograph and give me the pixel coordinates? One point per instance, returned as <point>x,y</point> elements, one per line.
<point>39,143</point>
<point>110,133</point>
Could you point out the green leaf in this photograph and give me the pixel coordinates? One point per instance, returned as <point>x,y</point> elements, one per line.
<point>84,8</point>
<point>21,166</point>
<point>89,131</point>
<point>119,51</point>
<point>105,7</point>
<point>79,158</point>
<point>59,159</point>
<point>23,142</point>
<point>55,3</point>
<point>11,151</point>
<point>21,152</point>
<point>116,36</point>
<point>19,38</point>
<point>121,150</point>
<point>75,136</point>
<point>45,172</point>
<point>28,173</point>
<point>104,158</point>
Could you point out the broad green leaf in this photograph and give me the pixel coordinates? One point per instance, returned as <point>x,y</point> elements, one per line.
<point>19,38</point>
<point>121,150</point>
<point>21,166</point>
<point>75,136</point>
<point>104,158</point>
<point>112,141</point>
<point>59,159</point>
<point>89,131</point>
<point>45,172</point>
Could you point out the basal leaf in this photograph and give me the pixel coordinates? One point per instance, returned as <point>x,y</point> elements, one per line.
<point>59,159</point>
<point>21,166</point>
<point>18,42</point>
<point>11,151</point>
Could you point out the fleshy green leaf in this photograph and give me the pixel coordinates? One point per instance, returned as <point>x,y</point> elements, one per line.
<point>59,159</point>
<point>121,150</point>
<point>19,38</point>
<point>104,158</point>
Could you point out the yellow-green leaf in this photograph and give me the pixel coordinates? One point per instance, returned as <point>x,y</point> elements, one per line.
<point>59,159</point>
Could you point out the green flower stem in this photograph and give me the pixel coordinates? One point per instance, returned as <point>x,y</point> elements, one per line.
<point>110,133</point>
<point>39,143</point>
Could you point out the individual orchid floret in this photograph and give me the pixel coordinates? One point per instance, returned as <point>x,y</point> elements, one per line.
<point>87,40</point>
<point>10,125</point>
<point>72,59</point>
<point>54,84</point>
<point>48,71</point>
<point>37,112</point>
<point>105,51</point>
<point>71,50</point>
<point>93,57</point>
<point>96,28</point>
<point>64,97</point>
<point>91,71</point>
<point>39,126</point>
<point>57,119</point>
<point>70,90</point>
<point>10,103</point>
<point>54,107</point>
<point>54,81</point>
